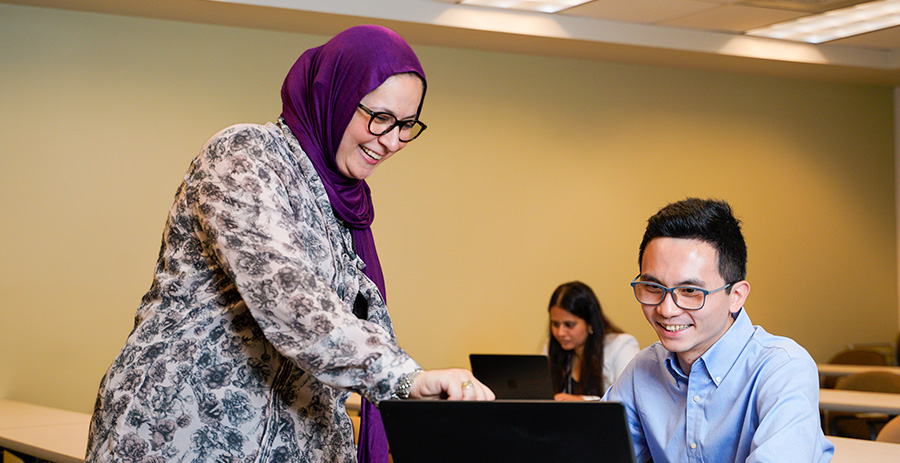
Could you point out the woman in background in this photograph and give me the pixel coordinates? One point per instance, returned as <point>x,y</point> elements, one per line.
<point>587,352</point>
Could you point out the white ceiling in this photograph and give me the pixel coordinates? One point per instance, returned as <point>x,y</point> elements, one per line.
<point>729,16</point>
<point>701,34</point>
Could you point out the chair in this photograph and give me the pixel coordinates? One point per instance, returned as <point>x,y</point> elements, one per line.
<point>862,425</point>
<point>858,357</point>
<point>886,349</point>
<point>890,432</point>
<point>853,357</point>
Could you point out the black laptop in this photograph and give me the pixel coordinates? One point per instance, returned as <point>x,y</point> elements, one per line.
<point>450,431</point>
<point>513,376</point>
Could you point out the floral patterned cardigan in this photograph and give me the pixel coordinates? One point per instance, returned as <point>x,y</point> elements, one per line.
<point>245,347</point>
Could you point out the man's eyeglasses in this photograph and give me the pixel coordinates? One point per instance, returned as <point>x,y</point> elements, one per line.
<point>381,123</point>
<point>685,297</point>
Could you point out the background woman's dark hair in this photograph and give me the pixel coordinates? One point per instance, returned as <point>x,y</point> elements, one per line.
<point>578,299</point>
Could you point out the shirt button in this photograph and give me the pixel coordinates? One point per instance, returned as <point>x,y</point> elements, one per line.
<point>718,379</point>
<point>693,445</point>
<point>696,398</point>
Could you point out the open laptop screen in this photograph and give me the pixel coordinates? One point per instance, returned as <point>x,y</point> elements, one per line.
<point>514,376</point>
<point>506,431</point>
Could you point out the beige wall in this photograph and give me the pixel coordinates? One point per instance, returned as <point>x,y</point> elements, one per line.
<point>534,171</point>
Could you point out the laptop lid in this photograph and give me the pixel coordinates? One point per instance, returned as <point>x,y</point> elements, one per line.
<point>514,376</point>
<point>442,431</point>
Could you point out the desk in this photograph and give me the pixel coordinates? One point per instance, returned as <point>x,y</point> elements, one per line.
<point>863,451</point>
<point>43,432</point>
<point>830,369</point>
<point>859,402</point>
<point>22,415</point>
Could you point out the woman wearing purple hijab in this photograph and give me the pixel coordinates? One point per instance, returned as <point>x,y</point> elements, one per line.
<point>267,307</point>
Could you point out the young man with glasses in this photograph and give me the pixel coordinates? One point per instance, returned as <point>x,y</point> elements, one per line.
<point>715,387</point>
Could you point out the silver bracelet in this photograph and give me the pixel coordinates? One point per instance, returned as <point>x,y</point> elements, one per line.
<point>402,391</point>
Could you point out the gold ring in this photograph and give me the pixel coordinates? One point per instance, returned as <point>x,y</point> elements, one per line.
<point>467,384</point>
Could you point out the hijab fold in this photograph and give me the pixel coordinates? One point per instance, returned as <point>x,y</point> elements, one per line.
<point>319,98</point>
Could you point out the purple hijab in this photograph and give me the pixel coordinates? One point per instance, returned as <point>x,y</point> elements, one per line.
<point>320,95</point>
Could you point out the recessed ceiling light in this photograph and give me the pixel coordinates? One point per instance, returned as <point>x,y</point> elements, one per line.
<point>836,24</point>
<point>547,6</point>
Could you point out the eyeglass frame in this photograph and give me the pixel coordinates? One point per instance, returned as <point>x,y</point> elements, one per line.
<point>706,292</point>
<point>397,122</point>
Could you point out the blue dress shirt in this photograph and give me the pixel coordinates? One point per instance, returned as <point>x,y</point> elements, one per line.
<point>752,397</point>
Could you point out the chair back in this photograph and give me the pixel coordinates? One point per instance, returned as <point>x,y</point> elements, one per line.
<point>890,432</point>
<point>858,357</point>
<point>870,381</point>
<point>853,357</point>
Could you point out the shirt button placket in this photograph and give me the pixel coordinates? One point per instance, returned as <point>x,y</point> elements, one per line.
<point>694,419</point>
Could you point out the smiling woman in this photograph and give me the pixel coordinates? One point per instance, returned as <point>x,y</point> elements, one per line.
<point>268,307</point>
<point>370,139</point>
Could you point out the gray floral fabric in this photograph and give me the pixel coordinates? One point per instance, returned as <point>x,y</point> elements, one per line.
<point>245,347</point>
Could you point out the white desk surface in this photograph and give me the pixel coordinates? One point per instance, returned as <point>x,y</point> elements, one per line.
<point>44,432</point>
<point>830,369</point>
<point>863,451</point>
<point>858,401</point>
<point>20,415</point>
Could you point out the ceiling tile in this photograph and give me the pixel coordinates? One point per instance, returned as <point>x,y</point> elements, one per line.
<point>809,6</point>
<point>885,39</point>
<point>734,18</point>
<point>639,11</point>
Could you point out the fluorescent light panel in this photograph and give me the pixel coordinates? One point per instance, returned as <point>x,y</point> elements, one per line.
<point>548,6</point>
<point>836,24</point>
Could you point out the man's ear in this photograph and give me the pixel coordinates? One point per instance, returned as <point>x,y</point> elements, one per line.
<point>739,293</point>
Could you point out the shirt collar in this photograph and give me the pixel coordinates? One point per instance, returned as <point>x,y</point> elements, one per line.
<point>675,368</point>
<point>719,358</point>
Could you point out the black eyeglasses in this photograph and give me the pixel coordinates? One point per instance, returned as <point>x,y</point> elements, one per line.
<point>381,123</point>
<point>685,297</point>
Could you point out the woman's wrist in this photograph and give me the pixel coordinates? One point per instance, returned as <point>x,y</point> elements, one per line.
<point>406,381</point>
